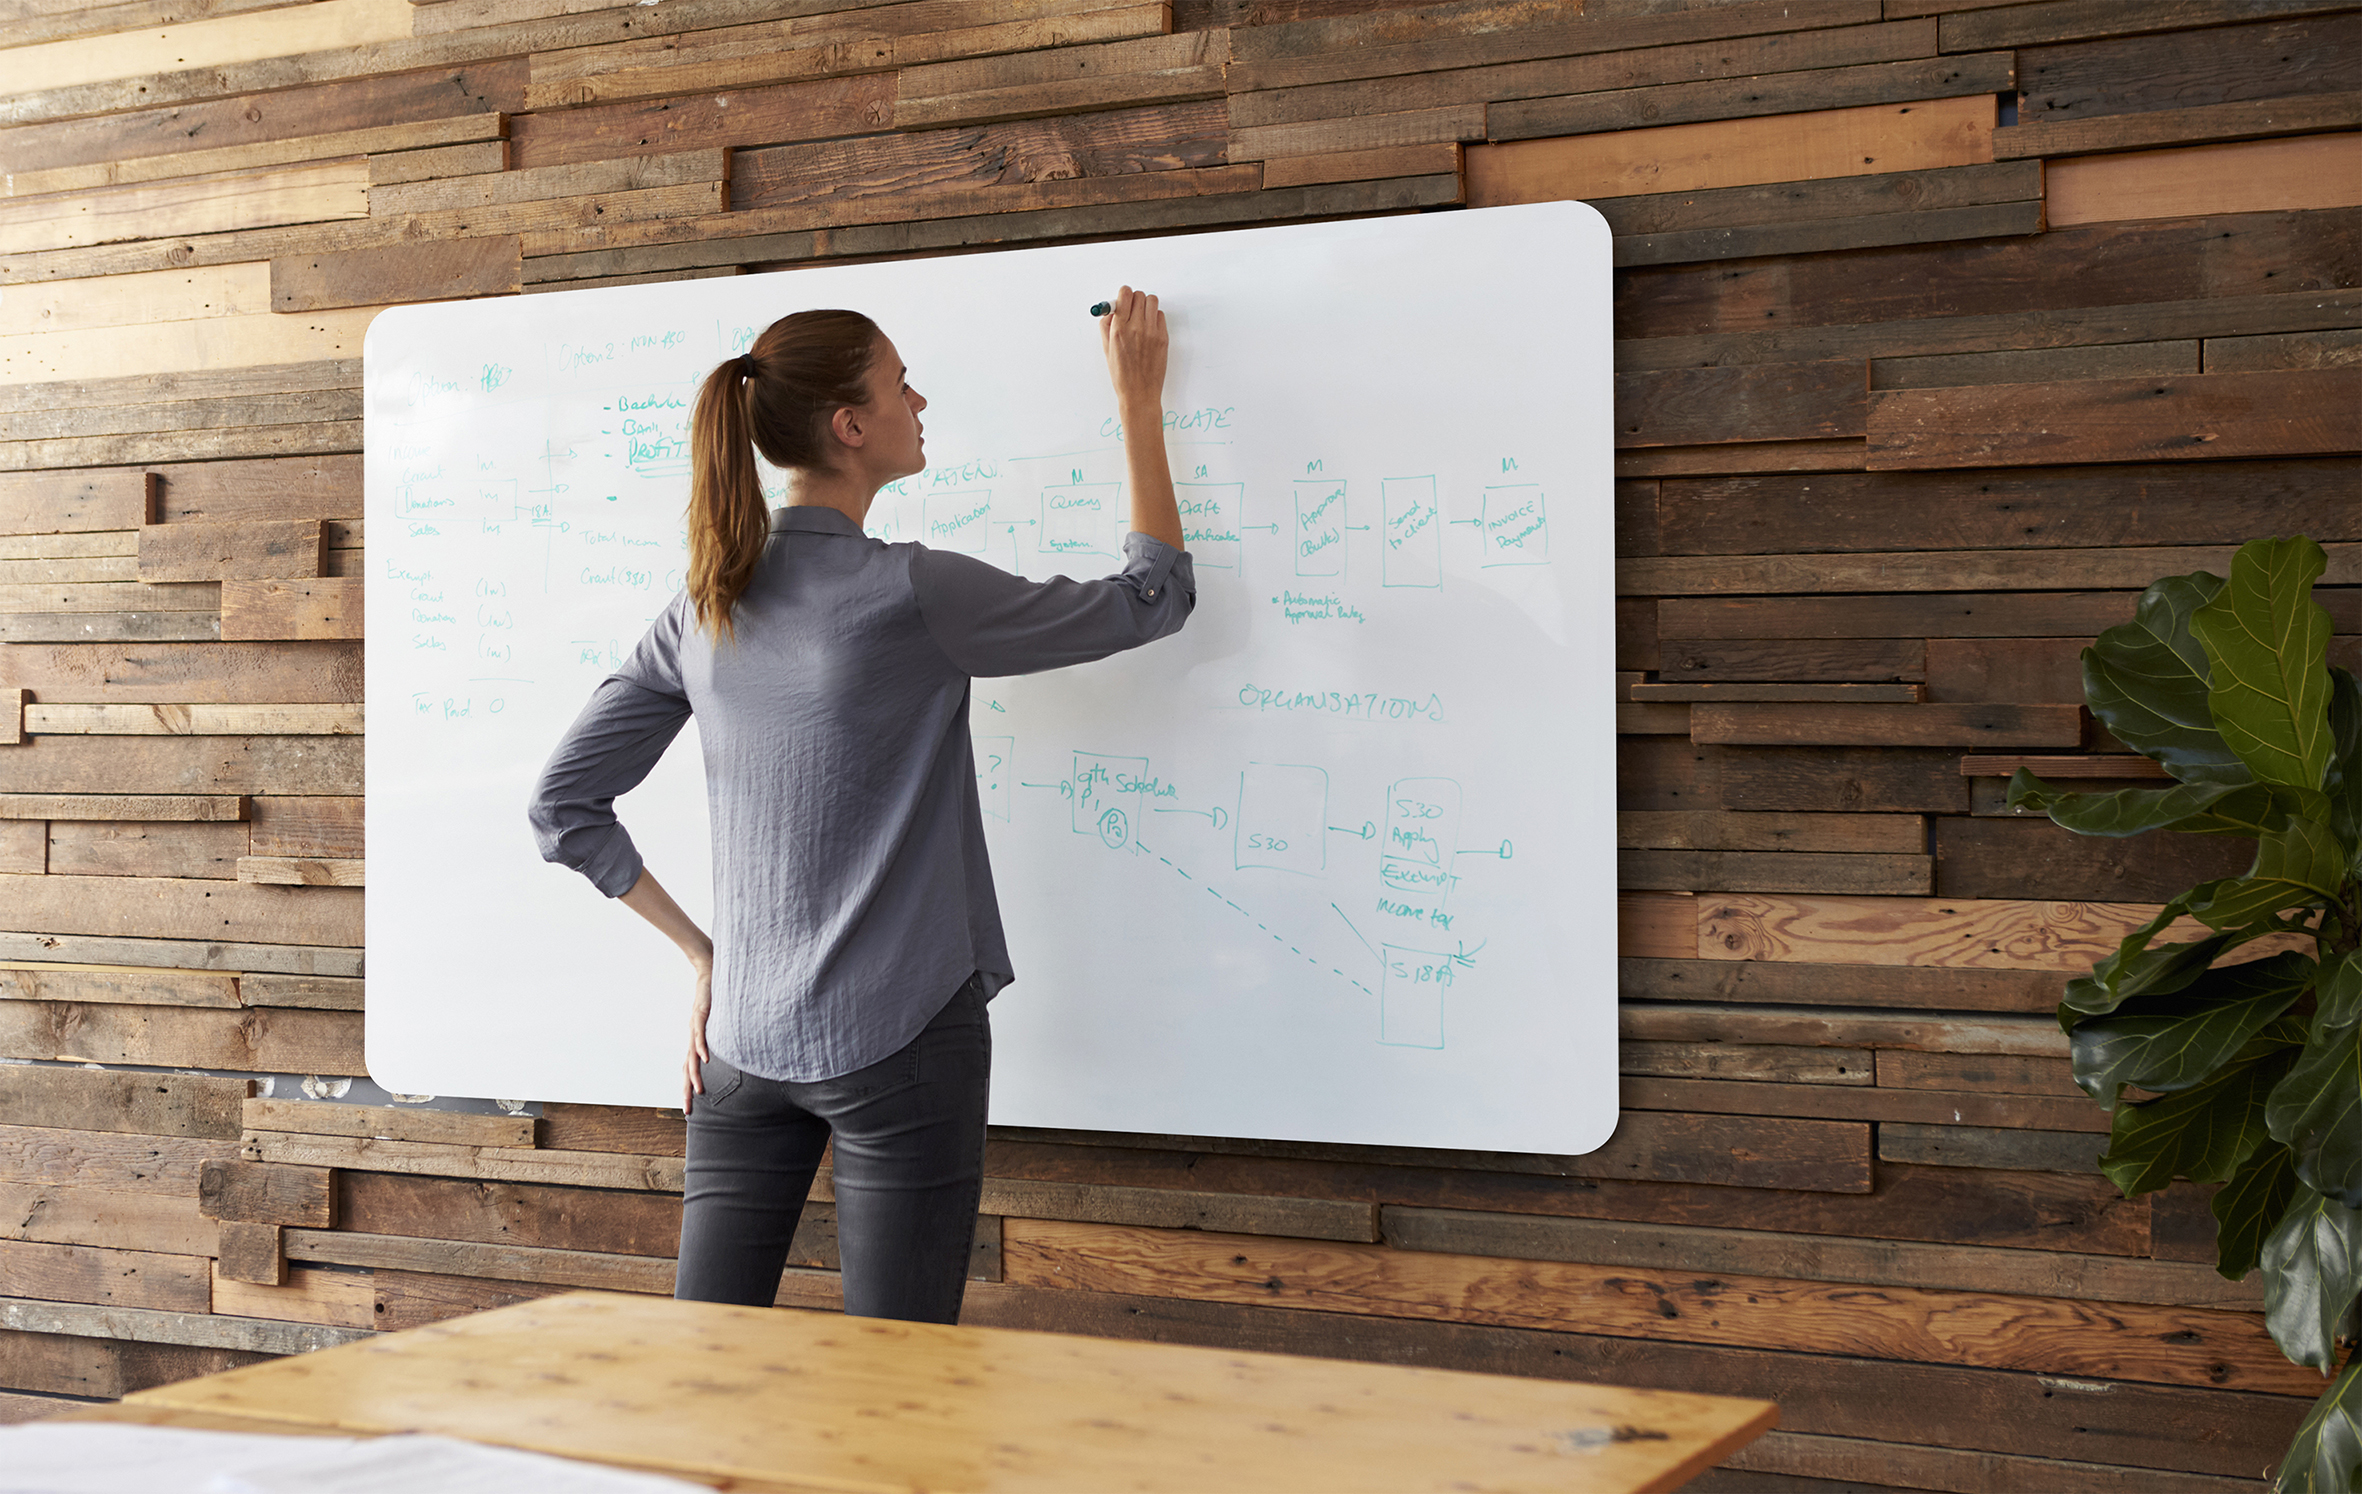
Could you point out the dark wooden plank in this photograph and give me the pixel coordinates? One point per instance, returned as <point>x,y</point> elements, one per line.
<point>222,552</point>
<point>1774,871</point>
<point>2230,1433</point>
<point>1852,724</point>
<point>1845,1462</point>
<point>1852,1102</point>
<point>2306,115</point>
<point>2176,69</point>
<point>2193,417</point>
<point>2058,508</point>
<point>2338,349</point>
<point>1069,80</point>
<point>2086,765</point>
<point>1667,774</point>
<point>267,1193</point>
<point>1909,780</point>
<point>611,1220</point>
<point>99,1100</point>
<point>322,487</point>
<point>1636,633</point>
<point>2024,669</point>
<point>1939,225</point>
<point>1777,93</point>
<point>1907,986</point>
<point>1849,197</point>
<point>316,826</point>
<point>72,1364</point>
<point>1706,830</point>
<point>495,87</point>
<point>820,109</point>
<point>2035,858</point>
<point>276,1041</point>
<point>2011,1147</point>
<point>1767,402</point>
<point>1766,1253</point>
<point>1727,1151</point>
<point>444,270</point>
<point>1706,659</point>
<point>2071,20</point>
<point>413,1299</point>
<point>1952,615</point>
<point>2001,1073</point>
<point>2068,271</point>
<point>1896,694</point>
<point>2037,365</point>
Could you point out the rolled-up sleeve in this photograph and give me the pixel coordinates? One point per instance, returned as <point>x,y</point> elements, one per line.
<point>632,717</point>
<point>989,622</point>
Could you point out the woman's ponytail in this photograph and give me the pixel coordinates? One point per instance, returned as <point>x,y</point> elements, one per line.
<point>777,400</point>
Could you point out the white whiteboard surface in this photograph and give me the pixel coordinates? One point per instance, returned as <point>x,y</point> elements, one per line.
<point>1334,863</point>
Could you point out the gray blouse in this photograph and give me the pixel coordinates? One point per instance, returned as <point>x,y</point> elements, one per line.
<point>852,893</point>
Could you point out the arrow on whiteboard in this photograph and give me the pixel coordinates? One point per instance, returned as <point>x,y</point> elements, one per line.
<point>1218,815</point>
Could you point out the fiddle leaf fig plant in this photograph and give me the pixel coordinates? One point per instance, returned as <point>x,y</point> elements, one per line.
<point>2234,1056</point>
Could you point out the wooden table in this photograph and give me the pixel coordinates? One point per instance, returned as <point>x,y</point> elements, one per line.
<point>764,1399</point>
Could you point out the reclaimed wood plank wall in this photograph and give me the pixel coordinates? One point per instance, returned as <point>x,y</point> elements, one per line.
<point>1943,327</point>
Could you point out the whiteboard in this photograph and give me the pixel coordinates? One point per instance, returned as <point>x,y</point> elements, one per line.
<point>1334,863</point>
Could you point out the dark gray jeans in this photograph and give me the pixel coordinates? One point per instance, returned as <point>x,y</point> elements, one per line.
<point>909,1171</point>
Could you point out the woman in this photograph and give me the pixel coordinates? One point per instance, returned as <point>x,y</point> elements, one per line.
<point>858,935</point>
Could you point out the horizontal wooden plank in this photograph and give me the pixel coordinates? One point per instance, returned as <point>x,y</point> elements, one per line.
<point>156,1326</point>
<point>303,871</point>
<point>129,849</point>
<point>2005,1147</point>
<point>281,152</point>
<point>1840,454</point>
<point>2167,1345</point>
<point>1992,934</point>
<point>171,907</point>
<point>120,1161</point>
<point>181,673</point>
<point>447,270</point>
<point>1774,871</point>
<point>123,806</point>
<point>1855,1102</point>
<point>459,1160</point>
<point>1721,693</point>
<point>1710,830</point>
<point>388,1123</point>
<point>1876,140</point>
<point>2089,765</point>
<point>2199,416</point>
<point>96,1100</point>
<point>1808,984</point>
<point>1875,1405</point>
<point>1067,80</point>
<point>2038,365</point>
<point>2068,20</point>
<point>40,433</point>
<point>1733,659</point>
<point>1845,1027</point>
<point>1939,225</point>
<point>1786,1460</point>
<point>1847,724</point>
<point>1908,780</point>
<point>1766,100</point>
<point>1768,402</point>
<point>1996,858</point>
<point>319,992</point>
<point>251,1040</point>
<point>67,1215</point>
<point>26,980</point>
<point>2091,1278</point>
<point>1997,1073</point>
<point>76,502</point>
<point>316,192</point>
<point>1769,1063</point>
<point>195,720</point>
<point>2060,614</point>
<point>817,109</point>
<point>1821,200</point>
<point>2056,512</point>
<point>1362,165</point>
<point>265,1193</point>
<point>220,552</point>
<point>327,608</point>
<point>2249,119</point>
<point>2283,350</point>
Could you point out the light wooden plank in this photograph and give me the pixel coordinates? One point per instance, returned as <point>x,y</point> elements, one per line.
<point>151,1326</point>
<point>326,608</point>
<point>321,26</point>
<point>182,907</point>
<point>1958,933</point>
<point>1064,80</point>
<point>196,720</point>
<point>123,806</point>
<point>452,1160</point>
<point>401,138</point>
<point>28,980</point>
<point>447,160</point>
<point>226,342</point>
<point>388,1123</point>
<point>316,192</point>
<point>2309,172</point>
<point>302,871</point>
<point>1455,122</point>
<point>132,300</point>
<point>1871,140</point>
<point>1362,165</point>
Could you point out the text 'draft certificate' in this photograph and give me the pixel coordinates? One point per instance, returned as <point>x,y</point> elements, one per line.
<point>1335,863</point>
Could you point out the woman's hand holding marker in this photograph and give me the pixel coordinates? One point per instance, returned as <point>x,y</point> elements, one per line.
<point>1132,331</point>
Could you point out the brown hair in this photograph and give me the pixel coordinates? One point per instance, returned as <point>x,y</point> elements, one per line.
<point>776,400</point>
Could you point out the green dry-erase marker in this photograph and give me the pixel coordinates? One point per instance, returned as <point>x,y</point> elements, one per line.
<point>1102,308</point>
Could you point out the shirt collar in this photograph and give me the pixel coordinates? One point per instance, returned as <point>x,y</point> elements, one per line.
<point>813,518</point>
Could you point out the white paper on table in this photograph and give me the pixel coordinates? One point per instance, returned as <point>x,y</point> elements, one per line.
<point>113,1458</point>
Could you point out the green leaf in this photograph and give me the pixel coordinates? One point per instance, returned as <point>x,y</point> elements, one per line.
<point>2298,865</point>
<point>2328,1447</point>
<point>2345,759</point>
<point>2337,993</point>
<point>2137,970</point>
<point>2317,1112</point>
<point>2266,642</point>
<point>2312,1270</point>
<point>2168,1043</point>
<point>2246,1208</point>
<point>2201,1133</point>
<point>2147,681</point>
<point>2191,808</point>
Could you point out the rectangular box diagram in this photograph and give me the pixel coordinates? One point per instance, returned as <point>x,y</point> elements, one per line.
<point>1319,532</point>
<point>956,521</point>
<point>993,772</point>
<point>1515,525</point>
<point>1422,831</point>
<point>1211,514</point>
<point>1107,796</point>
<point>1410,1001</point>
<point>1283,818</point>
<point>1084,518</point>
<point>1411,550</point>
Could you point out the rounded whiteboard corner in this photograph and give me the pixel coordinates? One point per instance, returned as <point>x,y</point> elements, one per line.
<point>1592,1142</point>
